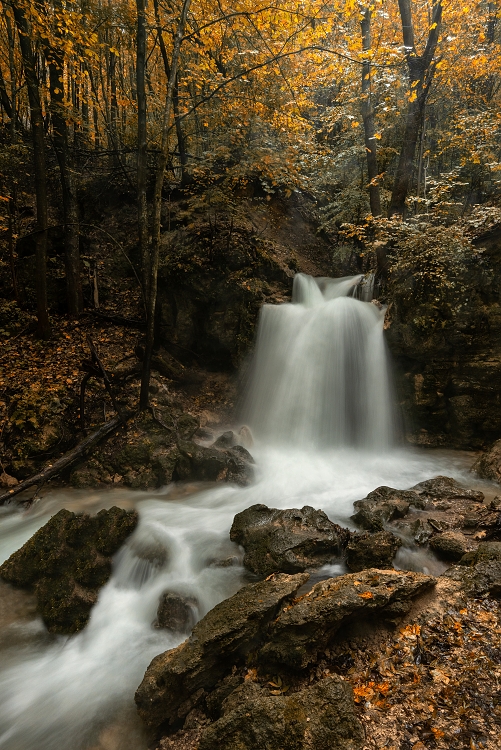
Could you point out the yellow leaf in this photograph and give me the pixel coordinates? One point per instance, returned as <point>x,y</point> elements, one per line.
<point>355,124</point>
<point>413,97</point>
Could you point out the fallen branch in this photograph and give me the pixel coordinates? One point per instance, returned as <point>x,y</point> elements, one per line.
<point>69,458</point>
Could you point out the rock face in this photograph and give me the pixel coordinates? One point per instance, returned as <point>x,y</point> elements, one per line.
<point>198,463</point>
<point>488,465</point>
<point>372,550</point>
<point>177,679</point>
<point>445,339</point>
<point>321,717</point>
<point>66,563</point>
<point>302,631</point>
<point>288,541</point>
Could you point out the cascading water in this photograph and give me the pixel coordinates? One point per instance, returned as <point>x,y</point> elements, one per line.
<point>319,403</point>
<point>320,376</point>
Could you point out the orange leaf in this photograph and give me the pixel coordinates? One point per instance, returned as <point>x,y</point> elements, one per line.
<point>366,595</point>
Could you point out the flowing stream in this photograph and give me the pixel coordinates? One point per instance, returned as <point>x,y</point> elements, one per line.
<point>319,404</point>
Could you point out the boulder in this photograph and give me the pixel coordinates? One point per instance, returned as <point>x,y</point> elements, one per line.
<point>177,679</point>
<point>383,505</point>
<point>372,550</point>
<point>289,541</point>
<point>304,630</point>
<point>320,717</point>
<point>451,545</point>
<point>227,440</point>
<point>177,613</point>
<point>199,463</point>
<point>67,561</point>
<point>488,465</point>
<point>478,580</point>
<point>445,488</point>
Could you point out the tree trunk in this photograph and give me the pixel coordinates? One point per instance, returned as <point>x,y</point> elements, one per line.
<point>37,134</point>
<point>157,208</point>
<point>421,69</point>
<point>368,119</point>
<point>70,206</point>
<point>142,155</point>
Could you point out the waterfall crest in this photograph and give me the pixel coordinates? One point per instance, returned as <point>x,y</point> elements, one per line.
<point>320,375</point>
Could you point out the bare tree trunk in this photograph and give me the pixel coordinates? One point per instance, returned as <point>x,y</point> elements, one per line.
<point>157,208</point>
<point>421,69</point>
<point>142,155</point>
<point>70,205</point>
<point>37,133</point>
<point>368,118</point>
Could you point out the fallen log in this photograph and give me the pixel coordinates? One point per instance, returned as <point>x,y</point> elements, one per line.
<point>79,451</point>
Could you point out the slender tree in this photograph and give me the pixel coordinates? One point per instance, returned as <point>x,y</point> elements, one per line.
<point>421,69</point>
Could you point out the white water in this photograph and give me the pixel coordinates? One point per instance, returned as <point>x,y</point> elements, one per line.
<point>317,444</point>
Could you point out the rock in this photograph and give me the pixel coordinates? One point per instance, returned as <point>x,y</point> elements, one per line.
<point>289,541</point>
<point>445,488</point>
<point>372,550</point>
<point>301,632</point>
<point>198,463</point>
<point>488,465</point>
<point>177,613</point>
<point>481,579</point>
<point>451,545</point>
<point>320,717</point>
<point>484,552</point>
<point>226,440</point>
<point>67,561</point>
<point>383,505</point>
<point>177,679</point>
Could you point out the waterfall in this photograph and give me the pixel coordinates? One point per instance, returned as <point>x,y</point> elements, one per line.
<point>320,374</point>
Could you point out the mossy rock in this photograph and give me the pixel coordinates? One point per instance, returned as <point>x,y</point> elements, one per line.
<point>66,563</point>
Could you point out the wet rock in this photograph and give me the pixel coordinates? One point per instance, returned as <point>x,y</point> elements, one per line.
<point>372,550</point>
<point>177,613</point>
<point>383,505</point>
<point>445,488</point>
<point>301,632</point>
<point>199,463</point>
<point>451,545</point>
<point>321,717</point>
<point>226,440</point>
<point>289,540</point>
<point>176,680</point>
<point>66,563</point>
<point>488,465</point>
<point>485,551</point>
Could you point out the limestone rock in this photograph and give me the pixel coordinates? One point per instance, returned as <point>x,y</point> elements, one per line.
<point>446,488</point>
<point>451,545</point>
<point>199,463</point>
<point>383,505</point>
<point>177,679</point>
<point>481,579</point>
<point>302,631</point>
<point>372,550</point>
<point>67,561</point>
<point>321,717</point>
<point>488,465</point>
<point>289,540</point>
<point>177,613</point>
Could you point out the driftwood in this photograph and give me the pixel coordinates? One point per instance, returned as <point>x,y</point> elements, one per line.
<point>69,458</point>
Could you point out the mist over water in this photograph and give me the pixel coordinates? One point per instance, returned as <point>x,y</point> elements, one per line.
<point>320,407</point>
